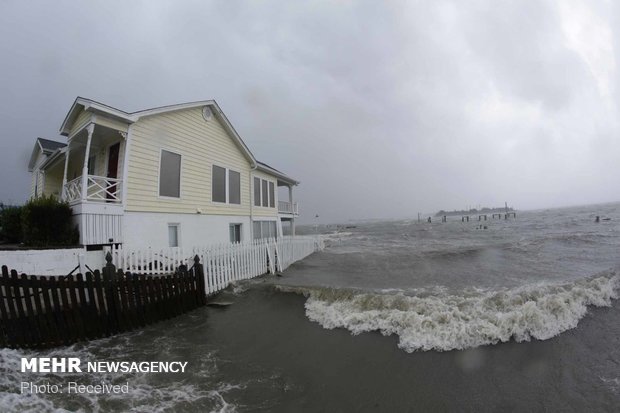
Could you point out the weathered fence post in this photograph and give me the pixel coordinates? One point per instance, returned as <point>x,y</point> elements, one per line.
<point>111,294</point>
<point>201,287</point>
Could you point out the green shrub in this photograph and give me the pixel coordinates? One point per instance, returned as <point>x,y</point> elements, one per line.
<point>11,224</point>
<point>46,222</point>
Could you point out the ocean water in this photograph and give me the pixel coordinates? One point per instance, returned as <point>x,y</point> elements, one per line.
<point>455,285</point>
<point>391,316</point>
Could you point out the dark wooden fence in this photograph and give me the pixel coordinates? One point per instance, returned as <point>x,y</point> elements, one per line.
<point>39,312</point>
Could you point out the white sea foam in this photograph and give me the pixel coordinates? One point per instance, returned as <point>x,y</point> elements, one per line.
<point>147,394</point>
<point>442,321</point>
<point>336,236</point>
<point>612,383</point>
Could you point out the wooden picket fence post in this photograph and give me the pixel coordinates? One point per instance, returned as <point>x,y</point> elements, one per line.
<point>41,312</point>
<point>134,289</point>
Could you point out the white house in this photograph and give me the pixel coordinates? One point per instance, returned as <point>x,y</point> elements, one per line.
<point>176,175</point>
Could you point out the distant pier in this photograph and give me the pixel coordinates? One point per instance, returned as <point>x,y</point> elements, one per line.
<point>482,214</point>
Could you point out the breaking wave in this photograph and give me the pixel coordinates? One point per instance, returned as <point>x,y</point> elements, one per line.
<point>148,392</point>
<point>442,321</point>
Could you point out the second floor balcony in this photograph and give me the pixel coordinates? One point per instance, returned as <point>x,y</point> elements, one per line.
<point>288,208</point>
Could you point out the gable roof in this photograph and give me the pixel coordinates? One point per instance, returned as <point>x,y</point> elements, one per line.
<point>93,106</point>
<point>44,146</point>
<point>132,117</point>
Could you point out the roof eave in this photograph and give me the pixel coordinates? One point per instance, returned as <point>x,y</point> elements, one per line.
<point>171,108</point>
<point>229,127</point>
<point>278,174</point>
<point>217,111</point>
<point>53,158</point>
<point>94,107</point>
<point>33,155</point>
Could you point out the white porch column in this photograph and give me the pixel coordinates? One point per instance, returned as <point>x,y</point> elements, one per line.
<point>290,199</point>
<point>63,192</point>
<point>90,129</point>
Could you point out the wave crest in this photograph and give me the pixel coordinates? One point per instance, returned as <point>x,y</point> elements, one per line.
<point>442,321</point>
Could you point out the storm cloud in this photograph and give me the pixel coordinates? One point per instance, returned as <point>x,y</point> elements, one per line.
<point>381,110</point>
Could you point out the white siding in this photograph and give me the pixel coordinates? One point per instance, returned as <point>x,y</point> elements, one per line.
<point>201,145</point>
<point>82,119</point>
<point>37,177</point>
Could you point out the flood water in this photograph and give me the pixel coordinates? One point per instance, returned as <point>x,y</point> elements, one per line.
<point>391,316</point>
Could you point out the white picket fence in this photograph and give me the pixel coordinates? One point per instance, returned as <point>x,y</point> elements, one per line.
<point>222,263</point>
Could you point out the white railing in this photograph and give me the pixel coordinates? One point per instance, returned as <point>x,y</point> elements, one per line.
<point>288,207</point>
<point>289,250</point>
<point>105,189</point>
<point>223,264</point>
<point>73,190</point>
<point>98,188</point>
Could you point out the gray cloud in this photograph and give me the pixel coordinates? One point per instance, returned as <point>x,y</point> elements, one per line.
<point>381,110</point>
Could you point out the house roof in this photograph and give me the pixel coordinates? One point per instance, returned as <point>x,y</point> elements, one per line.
<point>261,166</point>
<point>48,145</point>
<point>93,106</point>
<point>45,146</point>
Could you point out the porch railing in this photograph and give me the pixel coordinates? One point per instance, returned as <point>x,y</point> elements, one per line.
<point>98,189</point>
<point>73,190</point>
<point>288,207</point>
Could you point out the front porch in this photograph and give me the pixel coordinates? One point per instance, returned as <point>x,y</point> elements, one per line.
<point>93,165</point>
<point>87,174</point>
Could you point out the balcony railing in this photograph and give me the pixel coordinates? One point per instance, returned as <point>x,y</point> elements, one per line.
<point>98,189</point>
<point>288,208</point>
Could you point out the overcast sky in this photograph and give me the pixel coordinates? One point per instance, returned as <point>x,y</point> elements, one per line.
<point>380,109</point>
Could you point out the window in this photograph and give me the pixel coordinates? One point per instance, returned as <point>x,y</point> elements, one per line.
<point>219,184</point>
<point>225,186</point>
<point>257,191</point>
<point>272,195</point>
<point>170,174</point>
<point>173,235</point>
<point>234,187</point>
<point>264,191</point>
<point>265,229</point>
<point>235,232</point>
